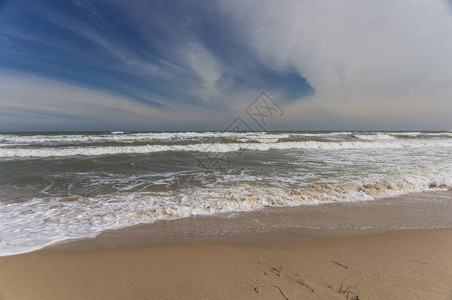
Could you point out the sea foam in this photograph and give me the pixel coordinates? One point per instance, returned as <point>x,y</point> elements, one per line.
<point>30,225</point>
<point>216,147</point>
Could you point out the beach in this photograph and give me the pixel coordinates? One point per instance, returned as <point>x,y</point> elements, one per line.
<point>232,257</point>
<point>415,264</point>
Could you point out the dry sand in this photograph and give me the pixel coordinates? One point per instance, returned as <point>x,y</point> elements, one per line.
<point>414,264</point>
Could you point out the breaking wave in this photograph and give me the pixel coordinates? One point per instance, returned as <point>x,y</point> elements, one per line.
<point>215,147</point>
<point>30,225</point>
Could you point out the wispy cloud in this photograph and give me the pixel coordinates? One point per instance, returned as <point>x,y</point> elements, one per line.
<point>369,63</point>
<point>27,101</point>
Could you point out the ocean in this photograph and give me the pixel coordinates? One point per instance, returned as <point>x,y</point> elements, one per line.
<point>57,186</point>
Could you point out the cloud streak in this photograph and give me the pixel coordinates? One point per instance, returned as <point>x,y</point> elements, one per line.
<point>48,103</point>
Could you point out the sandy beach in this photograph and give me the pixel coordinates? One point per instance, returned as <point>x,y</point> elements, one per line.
<point>415,264</point>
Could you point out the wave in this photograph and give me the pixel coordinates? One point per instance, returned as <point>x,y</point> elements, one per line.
<point>174,137</point>
<point>325,133</point>
<point>374,137</point>
<point>216,148</point>
<point>132,137</point>
<point>408,133</point>
<point>33,224</point>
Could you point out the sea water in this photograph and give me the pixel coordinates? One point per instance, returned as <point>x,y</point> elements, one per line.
<point>58,186</point>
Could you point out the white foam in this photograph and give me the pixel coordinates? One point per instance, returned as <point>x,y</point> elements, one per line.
<point>317,134</point>
<point>408,133</point>
<point>128,137</point>
<point>122,137</point>
<point>216,147</point>
<point>33,224</point>
<point>374,137</point>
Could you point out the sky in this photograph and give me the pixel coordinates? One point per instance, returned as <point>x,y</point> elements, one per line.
<point>197,65</point>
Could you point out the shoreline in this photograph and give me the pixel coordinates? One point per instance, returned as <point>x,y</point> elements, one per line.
<point>407,264</point>
<point>332,251</point>
<point>420,210</point>
<point>424,210</point>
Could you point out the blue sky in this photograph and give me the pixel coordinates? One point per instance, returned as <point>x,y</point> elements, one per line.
<point>194,65</point>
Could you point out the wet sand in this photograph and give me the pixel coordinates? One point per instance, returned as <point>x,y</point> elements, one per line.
<point>394,265</point>
<point>336,251</point>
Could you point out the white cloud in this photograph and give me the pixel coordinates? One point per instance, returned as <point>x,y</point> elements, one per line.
<point>378,59</point>
<point>205,66</point>
<point>36,100</point>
